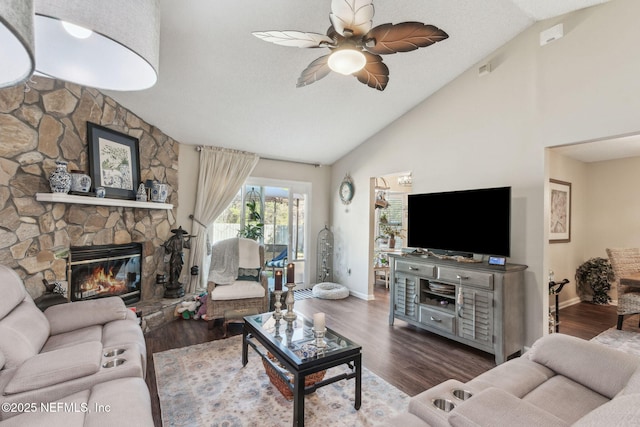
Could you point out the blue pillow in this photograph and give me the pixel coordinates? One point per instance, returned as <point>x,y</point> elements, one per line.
<point>251,274</point>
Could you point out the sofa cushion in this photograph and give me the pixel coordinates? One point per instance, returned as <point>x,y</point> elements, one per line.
<point>56,367</point>
<point>602,369</point>
<point>633,385</point>
<point>13,291</point>
<point>57,416</point>
<point>76,315</point>
<point>1,360</point>
<point>516,376</point>
<point>566,399</point>
<point>238,290</point>
<point>91,333</point>
<point>619,412</point>
<point>23,332</point>
<point>495,407</point>
<point>128,400</point>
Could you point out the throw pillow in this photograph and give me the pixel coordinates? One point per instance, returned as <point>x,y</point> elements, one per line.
<point>252,274</point>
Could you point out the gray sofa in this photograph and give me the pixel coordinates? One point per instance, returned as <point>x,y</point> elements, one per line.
<point>560,381</point>
<point>82,352</point>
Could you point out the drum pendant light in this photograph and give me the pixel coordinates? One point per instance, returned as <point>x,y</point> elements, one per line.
<point>16,41</point>
<point>111,45</point>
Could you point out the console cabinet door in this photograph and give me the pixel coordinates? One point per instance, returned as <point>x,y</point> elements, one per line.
<point>475,316</point>
<point>405,288</point>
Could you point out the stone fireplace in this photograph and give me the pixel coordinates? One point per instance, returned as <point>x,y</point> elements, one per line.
<point>46,124</point>
<point>105,270</point>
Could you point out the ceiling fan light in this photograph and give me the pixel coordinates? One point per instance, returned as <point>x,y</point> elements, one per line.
<point>347,61</point>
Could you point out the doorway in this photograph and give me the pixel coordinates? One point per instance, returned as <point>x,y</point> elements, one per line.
<point>388,224</point>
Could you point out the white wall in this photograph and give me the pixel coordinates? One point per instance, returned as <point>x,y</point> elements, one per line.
<point>564,258</point>
<point>319,177</point>
<point>492,131</point>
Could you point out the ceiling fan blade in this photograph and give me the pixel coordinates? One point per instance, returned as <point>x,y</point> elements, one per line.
<point>294,38</point>
<point>404,37</point>
<point>353,17</point>
<point>315,71</point>
<point>375,73</point>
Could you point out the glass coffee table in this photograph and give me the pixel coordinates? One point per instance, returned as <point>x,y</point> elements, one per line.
<point>293,346</point>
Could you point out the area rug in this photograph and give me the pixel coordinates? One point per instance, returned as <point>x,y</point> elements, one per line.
<point>301,294</point>
<point>206,385</point>
<point>626,341</point>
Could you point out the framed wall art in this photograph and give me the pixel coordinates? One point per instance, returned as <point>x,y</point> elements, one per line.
<point>114,161</point>
<point>560,214</point>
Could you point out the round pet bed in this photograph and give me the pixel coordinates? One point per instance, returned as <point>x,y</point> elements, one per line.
<point>329,290</point>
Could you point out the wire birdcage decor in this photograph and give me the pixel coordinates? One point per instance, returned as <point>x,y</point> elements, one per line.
<point>325,255</point>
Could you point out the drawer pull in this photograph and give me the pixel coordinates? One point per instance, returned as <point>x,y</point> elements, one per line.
<point>433,319</point>
<point>459,277</point>
<point>413,268</point>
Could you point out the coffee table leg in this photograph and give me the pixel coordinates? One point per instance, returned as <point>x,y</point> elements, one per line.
<point>358,366</point>
<point>245,347</point>
<point>298,401</point>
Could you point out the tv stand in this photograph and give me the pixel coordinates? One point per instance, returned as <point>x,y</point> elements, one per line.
<point>473,303</point>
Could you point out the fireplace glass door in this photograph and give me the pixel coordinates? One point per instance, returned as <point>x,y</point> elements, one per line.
<point>103,271</point>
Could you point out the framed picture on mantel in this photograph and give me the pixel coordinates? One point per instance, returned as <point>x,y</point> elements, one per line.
<point>560,214</point>
<point>114,161</point>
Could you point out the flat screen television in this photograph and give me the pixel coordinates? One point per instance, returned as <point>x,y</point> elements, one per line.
<point>461,222</point>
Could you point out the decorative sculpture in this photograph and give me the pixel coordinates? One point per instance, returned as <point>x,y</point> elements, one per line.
<point>175,247</point>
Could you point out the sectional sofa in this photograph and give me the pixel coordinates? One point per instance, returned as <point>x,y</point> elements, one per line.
<point>76,364</point>
<point>560,381</point>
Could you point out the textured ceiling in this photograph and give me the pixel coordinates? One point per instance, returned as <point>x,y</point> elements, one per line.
<point>221,86</point>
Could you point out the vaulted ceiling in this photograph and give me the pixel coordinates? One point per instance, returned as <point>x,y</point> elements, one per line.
<point>219,85</point>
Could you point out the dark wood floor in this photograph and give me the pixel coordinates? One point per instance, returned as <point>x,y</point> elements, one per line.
<point>410,359</point>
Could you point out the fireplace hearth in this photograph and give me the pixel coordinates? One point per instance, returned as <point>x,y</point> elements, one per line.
<point>104,271</point>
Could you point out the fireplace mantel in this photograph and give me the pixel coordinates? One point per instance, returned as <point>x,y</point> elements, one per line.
<point>88,200</point>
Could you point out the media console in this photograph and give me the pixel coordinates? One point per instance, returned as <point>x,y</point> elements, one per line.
<point>476,304</point>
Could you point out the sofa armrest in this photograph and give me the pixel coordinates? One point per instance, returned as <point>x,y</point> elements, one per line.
<point>495,407</point>
<point>595,366</point>
<point>55,367</point>
<point>76,315</point>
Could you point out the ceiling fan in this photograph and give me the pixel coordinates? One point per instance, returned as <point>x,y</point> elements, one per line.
<point>356,46</point>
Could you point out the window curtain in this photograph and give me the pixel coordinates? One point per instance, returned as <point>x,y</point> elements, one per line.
<point>222,173</point>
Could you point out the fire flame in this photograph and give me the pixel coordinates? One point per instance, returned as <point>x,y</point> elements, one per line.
<point>102,282</point>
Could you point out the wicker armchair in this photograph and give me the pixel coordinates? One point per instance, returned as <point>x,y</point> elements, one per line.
<point>239,295</point>
<point>625,261</point>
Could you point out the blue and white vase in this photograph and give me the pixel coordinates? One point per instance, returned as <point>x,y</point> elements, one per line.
<point>80,182</point>
<point>60,179</point>
<point>159,192</point>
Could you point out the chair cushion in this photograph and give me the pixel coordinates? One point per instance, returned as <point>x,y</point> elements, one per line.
<point>250,274</point>
<point>240,289</point>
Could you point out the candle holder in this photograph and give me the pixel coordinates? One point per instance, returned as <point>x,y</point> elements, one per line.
<point>290,316</point>
<point>319,336</point>
<point>277,314</point>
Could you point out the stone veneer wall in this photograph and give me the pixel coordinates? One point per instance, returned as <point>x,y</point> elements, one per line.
<point>49,123</point>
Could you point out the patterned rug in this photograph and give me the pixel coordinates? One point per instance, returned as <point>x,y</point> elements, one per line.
<point>626,341</point>
<point>301,294</point>
<point>206,385</point>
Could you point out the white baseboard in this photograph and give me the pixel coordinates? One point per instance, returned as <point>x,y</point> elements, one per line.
<point>360,295</point>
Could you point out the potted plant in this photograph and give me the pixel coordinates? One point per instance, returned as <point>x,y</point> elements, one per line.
<point>390,232</point>
<point>594,278</point>
<point>254,228</point>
